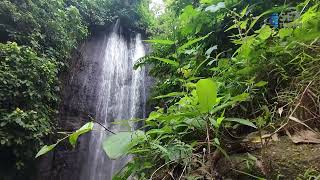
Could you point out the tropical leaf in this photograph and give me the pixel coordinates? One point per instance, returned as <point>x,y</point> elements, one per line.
<point>207,94</point>
<point>119,144</point>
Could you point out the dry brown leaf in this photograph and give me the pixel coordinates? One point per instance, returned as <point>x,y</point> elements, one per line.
<point>300,122</point>
<point>305,136</point>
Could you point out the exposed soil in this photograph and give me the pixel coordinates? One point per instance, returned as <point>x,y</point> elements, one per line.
<point>282,159</point>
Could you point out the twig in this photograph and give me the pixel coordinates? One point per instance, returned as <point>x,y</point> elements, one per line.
<point>182,172</point>
<point>260,178</point>
<point>100,124</point>
<point>296,107</point>
<point>208,138</point>
<point>160,168</point>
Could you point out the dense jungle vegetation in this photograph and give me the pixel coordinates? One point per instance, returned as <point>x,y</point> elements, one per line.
<point>231,77</point>
<point>37,38</point>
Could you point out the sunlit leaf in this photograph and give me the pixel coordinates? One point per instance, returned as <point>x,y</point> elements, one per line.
<point>219,120</point>
<point>160,41</point>
<point>261,83</point>
<point>119,144</point>
<point>173,94</point>
<point>244,11</point>
<point>265,32</point>
<point>84,129</point>
<point>153,115</point>
<point>45,149</point>
<point>241,97</point>
<point>285,32</point>
<point>207,94</point>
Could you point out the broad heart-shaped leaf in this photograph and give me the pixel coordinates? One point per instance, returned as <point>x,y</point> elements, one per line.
<point>45,149</point>
<point>120,144</point>
<point>207,94</point>
<point>160,41</point>
<point>84,129</point>
<point>241,121</point>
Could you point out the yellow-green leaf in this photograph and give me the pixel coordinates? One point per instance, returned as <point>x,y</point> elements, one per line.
<point>45,149</point>
<point>160,41</point>
<point>285,32</point>
<point>84,129</point>
<point>207,94</point>
<point>265,32</point>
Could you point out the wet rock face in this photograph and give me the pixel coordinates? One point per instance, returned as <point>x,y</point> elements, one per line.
<point>101,84</point>
<point>76,105</point>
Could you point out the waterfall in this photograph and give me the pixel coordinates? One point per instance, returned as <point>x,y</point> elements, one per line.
<point>120,94</point>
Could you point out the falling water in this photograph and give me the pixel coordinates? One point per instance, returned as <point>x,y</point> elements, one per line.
<point>120,95</point>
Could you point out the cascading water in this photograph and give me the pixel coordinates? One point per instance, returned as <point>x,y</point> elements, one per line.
<point>120,94</point>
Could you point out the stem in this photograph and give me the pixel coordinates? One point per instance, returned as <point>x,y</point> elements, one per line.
<point>208,137</point>
<point>101,125</point>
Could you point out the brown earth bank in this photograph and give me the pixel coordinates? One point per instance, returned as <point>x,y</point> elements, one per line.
<point>280,159</point>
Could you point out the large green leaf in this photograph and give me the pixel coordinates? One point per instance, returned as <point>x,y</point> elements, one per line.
<point>120,144</point>
<point>241,121</point>
<point>45,149</point>
<point>160,41</point>
<point>207,94</point>
<point>168,61</point>
<point>84,129</point>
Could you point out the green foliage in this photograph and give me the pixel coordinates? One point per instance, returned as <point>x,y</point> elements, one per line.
<point>207,94</point>
<point>119,144</point>
<point>73,137</point>
<point>26,92</point>
<point>242,77</point>
<point>37,38</point>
